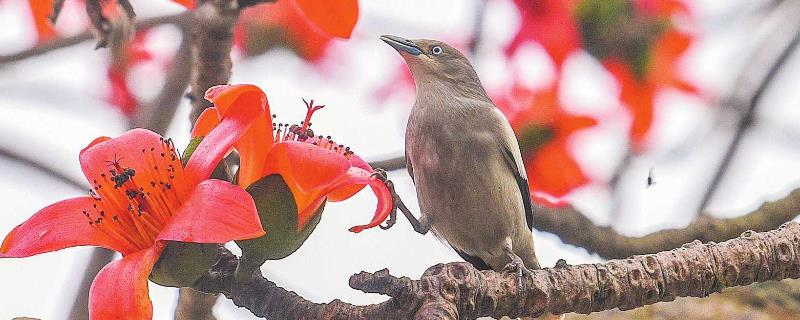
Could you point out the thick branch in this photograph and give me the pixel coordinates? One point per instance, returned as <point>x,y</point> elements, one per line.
<point>574,228</point>
<point>211,48</point>
<point>459,291</point>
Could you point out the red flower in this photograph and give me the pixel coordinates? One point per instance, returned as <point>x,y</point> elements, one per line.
<point>40,11</point>
<point>637,93</point>
<point>280,23</point>
<point>550,23</point>
<point>142,196</point>
<point>314,167</point>
<point>131,54</point>
<point>544,130</point>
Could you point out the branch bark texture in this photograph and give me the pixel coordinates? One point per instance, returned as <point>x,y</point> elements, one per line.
<point>459,291</point>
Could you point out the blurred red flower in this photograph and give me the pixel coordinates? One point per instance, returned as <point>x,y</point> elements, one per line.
<point>544,130</point>
<point>130,54</point>
<point>550,23</point>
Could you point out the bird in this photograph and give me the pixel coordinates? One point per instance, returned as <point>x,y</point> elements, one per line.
<point>465,161</point>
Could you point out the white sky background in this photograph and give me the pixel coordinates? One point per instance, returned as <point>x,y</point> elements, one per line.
<point>52,106</point>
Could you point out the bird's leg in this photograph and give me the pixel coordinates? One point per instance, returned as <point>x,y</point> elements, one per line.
<point>421,226</point>
<point>516,265</point>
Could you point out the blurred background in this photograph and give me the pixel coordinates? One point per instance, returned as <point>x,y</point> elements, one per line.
<point>606,97</point>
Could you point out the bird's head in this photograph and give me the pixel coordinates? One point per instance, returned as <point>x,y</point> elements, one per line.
<point>433,60</point>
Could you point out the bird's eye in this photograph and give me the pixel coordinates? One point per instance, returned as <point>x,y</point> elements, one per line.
<point>437,50</point>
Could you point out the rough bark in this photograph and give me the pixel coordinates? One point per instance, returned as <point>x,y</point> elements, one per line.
<point>459,291</point>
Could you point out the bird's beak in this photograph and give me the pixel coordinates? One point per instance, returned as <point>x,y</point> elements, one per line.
<point>402,44</point>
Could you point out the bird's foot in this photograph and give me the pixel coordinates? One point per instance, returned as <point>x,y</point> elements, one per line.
<point>516,266</point>
<point>397,203</point>
<point>382,176</point>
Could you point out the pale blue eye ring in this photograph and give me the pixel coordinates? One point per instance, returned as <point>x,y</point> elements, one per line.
<point>437,50</point>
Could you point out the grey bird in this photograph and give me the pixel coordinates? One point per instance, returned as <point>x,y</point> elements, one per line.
<point>465,161</point>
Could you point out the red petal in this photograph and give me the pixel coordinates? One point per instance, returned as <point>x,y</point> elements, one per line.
<point>127,149</point>
<point>207,121</point>
<point>344,193</point>
<point>305,214</point>
<point>253,149</point>
<point>554,171</point>
<point>257,141</point>
<point>225,96</point>
<point>57,226</point>
<point>336,17</point>
<point>120,290</point>
<point>357,176</point>
<point>215,212</point>
<point>235,123</point>
<point>305,165</point>
<point>40,12</point>
<point>189,4</point>
<point>357,162</point>
<point>550,23</point>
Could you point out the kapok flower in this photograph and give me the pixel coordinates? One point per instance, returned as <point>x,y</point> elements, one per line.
<point>544,130</point>
<point>314,167</point>
<point>142,196</point>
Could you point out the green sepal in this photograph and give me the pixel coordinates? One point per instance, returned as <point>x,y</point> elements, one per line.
<point>183,263</point>
<point>278,213</point>
<point>190,148</point>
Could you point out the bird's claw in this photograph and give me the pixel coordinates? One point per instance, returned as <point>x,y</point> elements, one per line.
<point>397,203</point>
<point>382,176</point>
<point>516,266</point>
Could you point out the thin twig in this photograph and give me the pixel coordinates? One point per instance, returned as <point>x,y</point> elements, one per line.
<point>47,170</point>
<point>391,164</point>
<point>746,121</point>
<point>60,43</point>
<point>477,28</point>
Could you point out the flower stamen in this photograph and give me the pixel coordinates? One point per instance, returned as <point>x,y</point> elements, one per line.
<point>134,204</point>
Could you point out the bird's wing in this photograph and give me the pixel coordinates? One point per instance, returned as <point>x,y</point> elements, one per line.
<point>510,148</point>
<point>410,168</point>
<point>514,160</point>
<point>475,261</point>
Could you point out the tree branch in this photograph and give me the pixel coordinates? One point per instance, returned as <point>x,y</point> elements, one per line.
<point>575,229</point>
<point>212,42</point>
<point>60,43</point>
<point>395,163</point>
<point>211,48</point>
<point>459,291</point>
<point>47,170</point>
